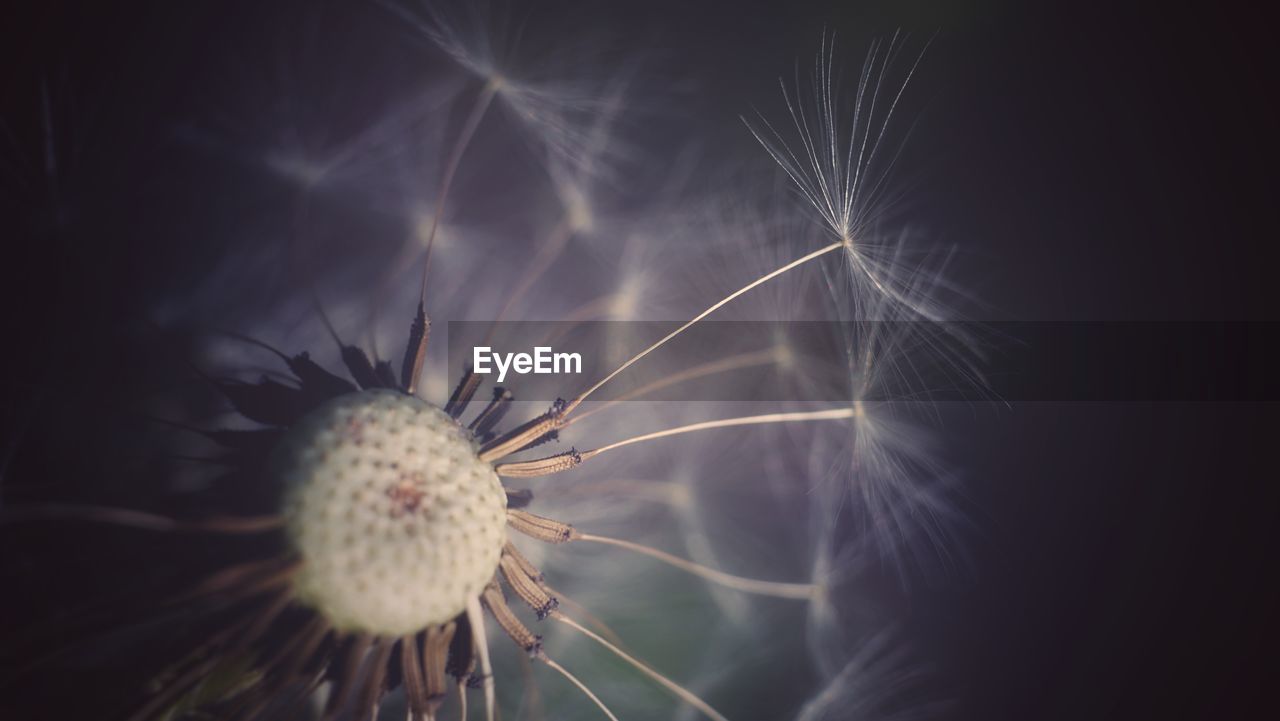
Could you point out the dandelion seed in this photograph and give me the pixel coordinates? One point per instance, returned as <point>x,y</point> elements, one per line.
<point>878,682</point>
<point>841,165</point>
<point>564,112</point>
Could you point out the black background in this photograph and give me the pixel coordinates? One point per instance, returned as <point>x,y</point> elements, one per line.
<point>1094,164</point>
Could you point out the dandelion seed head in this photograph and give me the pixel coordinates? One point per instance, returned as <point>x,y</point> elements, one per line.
<point>397,520</point>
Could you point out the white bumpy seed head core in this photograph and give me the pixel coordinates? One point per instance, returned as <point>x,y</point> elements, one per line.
<point>396,518</point>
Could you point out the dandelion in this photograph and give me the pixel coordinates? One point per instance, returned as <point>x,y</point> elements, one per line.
<point>384,538</point>
<point>394,526</point>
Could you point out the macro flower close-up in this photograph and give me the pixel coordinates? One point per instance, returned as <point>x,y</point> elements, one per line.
<point>439,359</point>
